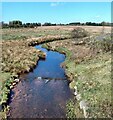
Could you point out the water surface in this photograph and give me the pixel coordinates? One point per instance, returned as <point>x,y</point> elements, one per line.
<point>42,93</point>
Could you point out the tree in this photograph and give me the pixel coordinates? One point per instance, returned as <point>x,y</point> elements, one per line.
<point>31,25</point>
<point>27,24</point>
<point>88,23</point>
<point>24,25</point>
<point>103,23</point>
<point>47,24</point>
<point>38,24</point>
<point>75,23</point>
<point>15,24</point>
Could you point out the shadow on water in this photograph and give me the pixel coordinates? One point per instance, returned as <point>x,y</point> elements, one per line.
<point>36,96</point>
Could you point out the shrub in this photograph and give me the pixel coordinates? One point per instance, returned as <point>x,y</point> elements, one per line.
<point>104,45</point>
<point>79,33</point>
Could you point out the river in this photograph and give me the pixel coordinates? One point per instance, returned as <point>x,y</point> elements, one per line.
<point>42,93</point>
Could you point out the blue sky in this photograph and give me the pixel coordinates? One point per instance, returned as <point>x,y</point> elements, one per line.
<point>56,12</point>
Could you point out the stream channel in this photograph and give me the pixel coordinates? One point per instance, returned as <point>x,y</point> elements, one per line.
<point>42,93</point>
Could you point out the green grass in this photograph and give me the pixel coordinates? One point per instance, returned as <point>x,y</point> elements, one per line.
<point>22,34</point>
<point>94,84</point>
<point>3,77</point>
<point>93,79</point>
<point>70,112</point>
<point>13,37</point>
<point>5,82</point>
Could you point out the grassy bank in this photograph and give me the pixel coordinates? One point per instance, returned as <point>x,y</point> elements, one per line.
<point>94,84</point>
<point>90,71</point>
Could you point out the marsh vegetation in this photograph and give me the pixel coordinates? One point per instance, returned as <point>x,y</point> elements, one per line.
<point>87,63</point>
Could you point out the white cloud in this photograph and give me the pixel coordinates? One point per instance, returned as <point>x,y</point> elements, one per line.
<point>54,4</point>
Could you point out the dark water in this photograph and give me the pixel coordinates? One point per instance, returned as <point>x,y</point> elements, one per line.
<point>42,93</point>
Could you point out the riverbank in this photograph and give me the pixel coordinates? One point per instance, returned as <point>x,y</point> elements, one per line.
<point>19,56</point>
<point>88,66</point>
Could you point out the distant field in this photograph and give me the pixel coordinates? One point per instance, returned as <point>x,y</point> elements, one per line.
<point>25,33</point>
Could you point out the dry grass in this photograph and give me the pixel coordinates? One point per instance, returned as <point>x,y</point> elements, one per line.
<point>18,57</point>
<point>25,33</point>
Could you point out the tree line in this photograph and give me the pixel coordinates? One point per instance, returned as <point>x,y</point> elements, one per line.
<point>19,24</point>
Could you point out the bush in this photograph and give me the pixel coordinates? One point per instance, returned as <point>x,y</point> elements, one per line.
<point>79,33</point>
<point>104,45</point>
